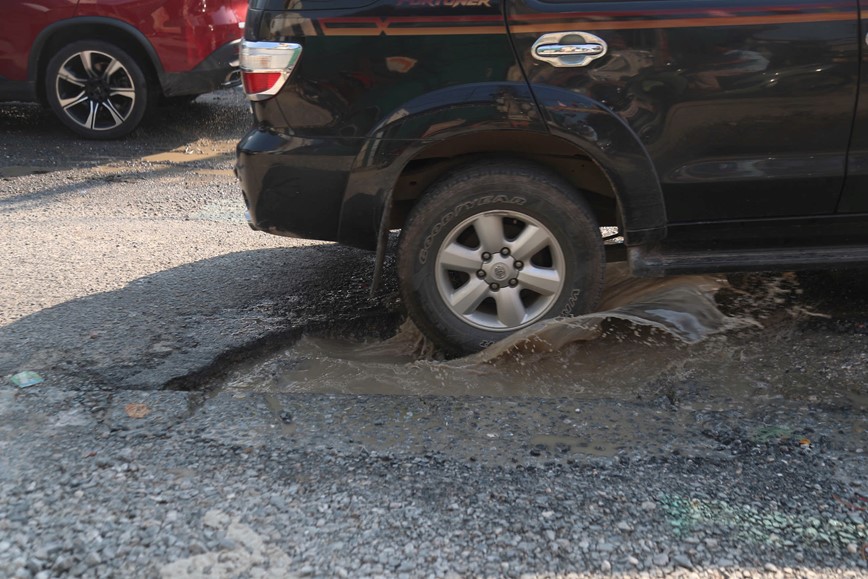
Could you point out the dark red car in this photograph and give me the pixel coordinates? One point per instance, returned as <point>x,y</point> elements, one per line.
<point>102,64</point>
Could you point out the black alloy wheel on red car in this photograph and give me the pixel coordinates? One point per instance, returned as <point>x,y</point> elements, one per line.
<point>97,89</point>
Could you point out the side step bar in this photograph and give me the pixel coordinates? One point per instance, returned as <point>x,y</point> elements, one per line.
<point>658,260</point>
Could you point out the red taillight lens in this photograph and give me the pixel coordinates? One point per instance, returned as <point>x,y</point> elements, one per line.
<point>265,66</point>
<point>259,82</point>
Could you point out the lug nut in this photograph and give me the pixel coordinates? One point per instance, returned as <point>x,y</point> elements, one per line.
<point>486,256</point>
<point>494,287</point>
<point>504,252</point>
<point>518,264</point>
<point>480,273</point>
<point>513,282</point>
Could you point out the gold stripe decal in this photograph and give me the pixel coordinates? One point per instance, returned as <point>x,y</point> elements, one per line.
<point>464,25</point>
<point>408,26</point>
<point>446,3</point>
<point>684,22</point>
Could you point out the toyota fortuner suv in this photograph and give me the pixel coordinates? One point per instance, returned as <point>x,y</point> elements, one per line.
<point>504,137</point>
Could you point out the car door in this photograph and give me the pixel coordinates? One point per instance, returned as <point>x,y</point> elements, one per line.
<point>744,107</point>
<point>855,196</point>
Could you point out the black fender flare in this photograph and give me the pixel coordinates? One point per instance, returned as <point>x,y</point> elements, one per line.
<point>610,142</point>
<point>588,125</point>
<point>407,131</point>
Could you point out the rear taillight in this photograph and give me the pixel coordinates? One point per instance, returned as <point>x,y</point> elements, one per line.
<point>260,82</point>
<point>265,66</point>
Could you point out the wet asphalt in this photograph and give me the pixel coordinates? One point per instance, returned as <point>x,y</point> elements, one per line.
<point>131,285</point>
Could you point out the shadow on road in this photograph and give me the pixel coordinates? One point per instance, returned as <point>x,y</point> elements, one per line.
<point>181,322</point>
<point>150,175</point>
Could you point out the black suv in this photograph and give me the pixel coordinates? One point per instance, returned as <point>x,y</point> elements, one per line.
<point>505,137</point>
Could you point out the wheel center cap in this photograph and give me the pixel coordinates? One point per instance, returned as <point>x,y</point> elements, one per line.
<point>96,90</point>
<point>499,270</point>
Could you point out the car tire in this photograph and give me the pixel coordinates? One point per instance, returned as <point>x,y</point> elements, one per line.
<point>96,89</point>
<point>495,247</point>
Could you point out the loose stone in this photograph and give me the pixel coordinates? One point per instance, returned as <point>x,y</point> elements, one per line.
<point>661,560</point>
<point>683,561</point>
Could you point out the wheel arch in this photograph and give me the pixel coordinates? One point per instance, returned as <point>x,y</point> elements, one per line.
<point>606,194</point>
<point>622,189</point>
<point>119,32</point>
<point>544,150</point>
<point>577,137</point>
<point>572,135</point>
<point>617,150</point>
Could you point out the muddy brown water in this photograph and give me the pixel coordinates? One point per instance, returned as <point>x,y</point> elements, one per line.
<point>669,364</point>
<point>648,332</point>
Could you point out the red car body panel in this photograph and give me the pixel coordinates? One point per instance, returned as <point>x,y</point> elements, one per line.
<point>21,24</point>
<point>183,32</point>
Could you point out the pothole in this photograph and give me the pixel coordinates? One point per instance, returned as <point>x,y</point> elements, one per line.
<point>646,329</point>
<point>667,362</point>
<point>668,342</point>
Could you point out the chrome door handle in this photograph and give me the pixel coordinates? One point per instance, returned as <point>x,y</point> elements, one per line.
<point>567,49</point>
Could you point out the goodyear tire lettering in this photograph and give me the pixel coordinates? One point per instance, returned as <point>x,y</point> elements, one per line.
<point>571,303</point>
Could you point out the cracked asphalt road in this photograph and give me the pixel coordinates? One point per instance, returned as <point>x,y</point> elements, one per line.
<point>132,286</point>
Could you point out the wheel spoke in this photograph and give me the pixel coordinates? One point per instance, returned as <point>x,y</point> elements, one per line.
<point>129,93</point>
<point>68,76</point>
<point>90,123</point>
<point>87,62</point>
<point>113,112</point>
<point>510,305</point>
<point>467,298</point>
<point>112,67</point>
<point>529,242</point>
<point>460,258</point>
<point>541,280</point>
<point>72,101</point>
<point>489,229</point>
<point>510,310</point>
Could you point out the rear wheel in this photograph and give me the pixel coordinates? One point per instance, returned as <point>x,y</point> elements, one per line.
<point>96,89</point>
<point>495,247</point>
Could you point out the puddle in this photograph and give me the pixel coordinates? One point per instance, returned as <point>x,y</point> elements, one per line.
<point>679,364</point>
<point>645,330</point>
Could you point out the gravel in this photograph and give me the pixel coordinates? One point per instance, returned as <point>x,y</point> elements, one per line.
<point>130,283</point>
<point>207,496</point>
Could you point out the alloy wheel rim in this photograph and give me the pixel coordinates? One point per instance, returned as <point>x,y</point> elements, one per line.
<point>95,90</point>
<point>500,270</point>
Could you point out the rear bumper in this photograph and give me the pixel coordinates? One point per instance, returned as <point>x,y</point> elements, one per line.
<point>219,69</point>
<point>293,186</point>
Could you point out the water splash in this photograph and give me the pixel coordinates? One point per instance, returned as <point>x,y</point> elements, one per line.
<point>642,332</point>
<point>682,306</point>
